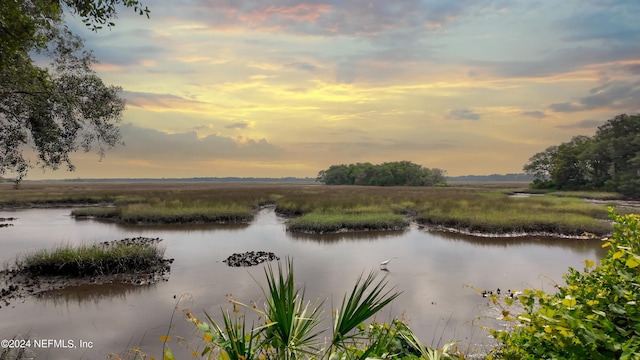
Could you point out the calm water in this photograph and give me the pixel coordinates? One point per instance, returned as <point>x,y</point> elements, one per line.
<point>433,271</point>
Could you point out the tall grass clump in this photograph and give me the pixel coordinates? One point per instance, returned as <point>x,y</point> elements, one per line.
<point>290,328</point>
<point>170,212</point>
<point>107,258</point>
<point>327,222</point>
<point>97,212</point>
<point>167,213</point>
<point>594,316</point>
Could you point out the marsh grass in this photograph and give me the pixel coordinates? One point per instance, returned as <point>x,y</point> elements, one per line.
<point>486,208</point>
<point>108,258</point>
<point>163,212</point>
<point>97,212</point>
<point>323,222</point>
<point>171,212</point>
<point>547,214</point>
<point>596,195</point>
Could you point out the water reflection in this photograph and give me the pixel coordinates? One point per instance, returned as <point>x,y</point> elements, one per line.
<point>436,273</point>
<point>579,245</point>
<point>346,236</point>
<point>184,227</point>
<point>91,293</point>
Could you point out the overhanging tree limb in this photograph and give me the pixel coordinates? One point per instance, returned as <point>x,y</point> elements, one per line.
<point>60,108</point>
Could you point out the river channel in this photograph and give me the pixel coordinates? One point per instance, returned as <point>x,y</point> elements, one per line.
<point>437,273</point>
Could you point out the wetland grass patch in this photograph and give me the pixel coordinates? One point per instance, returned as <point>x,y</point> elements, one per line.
<point>171,212</point>
<point>126,256</point>
<point>552,215</point>
<point>327,222</point>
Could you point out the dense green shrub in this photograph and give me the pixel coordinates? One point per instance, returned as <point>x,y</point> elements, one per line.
<point>594,316</point>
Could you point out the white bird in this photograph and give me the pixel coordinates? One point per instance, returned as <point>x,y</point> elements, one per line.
<point>383,265</point>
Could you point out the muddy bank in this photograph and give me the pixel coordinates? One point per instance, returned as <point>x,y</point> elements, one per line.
<point>512,234</point>
<point>21,280</point>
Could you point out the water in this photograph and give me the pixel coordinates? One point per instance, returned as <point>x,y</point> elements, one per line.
<point>436,273</point>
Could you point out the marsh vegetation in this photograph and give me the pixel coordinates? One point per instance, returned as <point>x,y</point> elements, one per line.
<point>320,209</point>
<point>430,270</point>
<point>131,255</point>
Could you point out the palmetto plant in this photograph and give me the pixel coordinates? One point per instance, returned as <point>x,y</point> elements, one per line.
<point>363,302</point>
<point>291,328</point>
<point>291,324</point>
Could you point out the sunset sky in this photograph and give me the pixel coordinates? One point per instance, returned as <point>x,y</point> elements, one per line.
<point>287,88</point>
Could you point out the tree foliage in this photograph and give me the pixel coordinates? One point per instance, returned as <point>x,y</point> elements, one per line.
<point>595,316</point>
<point>399,173</point>
<point>52,110</point>
<point>609,161</point>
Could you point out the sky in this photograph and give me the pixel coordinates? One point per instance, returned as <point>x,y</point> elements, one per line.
<point>256,88</point>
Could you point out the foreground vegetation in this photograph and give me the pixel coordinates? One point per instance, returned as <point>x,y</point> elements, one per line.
<point>320,209</point>
<point>289,326</point>
<point>594,316</point>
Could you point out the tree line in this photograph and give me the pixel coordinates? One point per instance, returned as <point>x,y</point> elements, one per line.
<point>607,161</point>
<point>399,173</point>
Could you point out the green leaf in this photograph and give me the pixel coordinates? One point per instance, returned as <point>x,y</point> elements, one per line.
<point>168,355</point>
<point>569,302</point>
<point>632,263</point>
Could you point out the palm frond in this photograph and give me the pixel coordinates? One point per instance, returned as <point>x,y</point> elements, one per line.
<point>290,324</point>
<point>365,300</point>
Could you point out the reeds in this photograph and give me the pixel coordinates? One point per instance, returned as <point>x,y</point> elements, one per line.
<point>323,222</point>
<point>108,258</point>
<point>171,212</point>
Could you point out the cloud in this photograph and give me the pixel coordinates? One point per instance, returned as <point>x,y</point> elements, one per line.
<point>158,101</point>
<point>611,22</point>
<point>535,114</point>
<point>633,69</point>
<point>338,17</point>
<point>463,114</point>
<point>301,65</point>
<point>584,124</point>
<point>617,95</point>
<point>153,145</point>
<point>238,125</point>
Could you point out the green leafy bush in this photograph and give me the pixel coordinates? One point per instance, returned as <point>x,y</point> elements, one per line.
<point>595,316</point>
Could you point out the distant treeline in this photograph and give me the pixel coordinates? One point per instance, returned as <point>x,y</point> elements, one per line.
<point>608,161</point>
<point>493,177</point>
<point>195,179</point>
<point>399,173</point>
